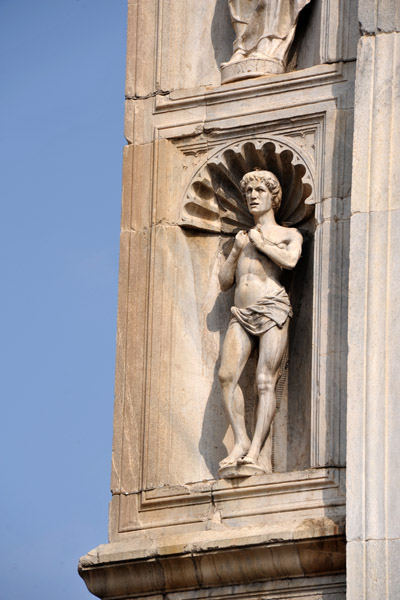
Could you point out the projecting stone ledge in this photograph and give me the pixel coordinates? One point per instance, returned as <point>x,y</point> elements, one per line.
<point>214,559</point>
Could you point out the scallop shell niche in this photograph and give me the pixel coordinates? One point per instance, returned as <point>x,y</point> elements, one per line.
<point>214,201</point>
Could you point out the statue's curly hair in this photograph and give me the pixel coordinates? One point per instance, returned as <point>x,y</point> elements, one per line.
<point>270,180</point>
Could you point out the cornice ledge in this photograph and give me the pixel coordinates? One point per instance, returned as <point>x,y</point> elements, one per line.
<point>233,556</point>
<point>327,73</point>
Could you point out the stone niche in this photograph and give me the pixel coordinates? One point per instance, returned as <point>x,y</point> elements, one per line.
<point>214,203</point>
<point>176,528</point>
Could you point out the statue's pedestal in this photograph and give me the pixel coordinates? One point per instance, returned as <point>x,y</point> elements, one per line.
<point>239,471</point>
<point>250,67</point>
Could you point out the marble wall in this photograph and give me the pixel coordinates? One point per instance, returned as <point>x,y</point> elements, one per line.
<point>176,527</point>
<point>373,549</point>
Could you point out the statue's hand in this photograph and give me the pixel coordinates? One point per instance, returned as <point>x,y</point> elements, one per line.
<point>241,240</point>
<point>256,237</point>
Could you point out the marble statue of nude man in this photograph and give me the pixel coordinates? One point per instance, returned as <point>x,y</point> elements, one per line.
<point>261,311</point>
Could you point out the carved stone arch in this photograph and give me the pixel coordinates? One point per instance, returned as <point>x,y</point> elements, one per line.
<point>213,200</point>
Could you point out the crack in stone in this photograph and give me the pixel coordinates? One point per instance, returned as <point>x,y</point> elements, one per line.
<point>367,33</point>
<point>342,60</point>
<point>150,95</point>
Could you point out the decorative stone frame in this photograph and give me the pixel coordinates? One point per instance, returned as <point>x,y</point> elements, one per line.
<point>182,146</point>
<point>214,202</point>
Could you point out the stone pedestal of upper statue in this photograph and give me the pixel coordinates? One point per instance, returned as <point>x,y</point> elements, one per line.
<point>264,31</point>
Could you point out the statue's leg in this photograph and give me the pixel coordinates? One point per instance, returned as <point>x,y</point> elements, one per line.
<point>236,350</point>
<point>272,347</point>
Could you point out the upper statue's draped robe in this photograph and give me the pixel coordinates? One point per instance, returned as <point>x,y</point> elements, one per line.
<point>265,27</point>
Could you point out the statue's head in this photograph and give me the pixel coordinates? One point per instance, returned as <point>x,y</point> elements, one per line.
<point>269,180</point>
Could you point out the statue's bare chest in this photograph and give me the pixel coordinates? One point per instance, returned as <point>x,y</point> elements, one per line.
<point>253,262</point>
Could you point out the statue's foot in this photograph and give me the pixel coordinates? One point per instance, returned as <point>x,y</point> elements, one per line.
<point>236,57</point>
<point>258,54</point>
<point>250,461</point>
<point>239,451</point>
<point>247,460</point>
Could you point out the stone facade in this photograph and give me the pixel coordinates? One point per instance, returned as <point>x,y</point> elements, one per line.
<point>180,525</point>
<point>373,453</point>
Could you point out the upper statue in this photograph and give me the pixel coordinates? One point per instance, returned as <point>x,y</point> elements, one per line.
<point>264,33</point>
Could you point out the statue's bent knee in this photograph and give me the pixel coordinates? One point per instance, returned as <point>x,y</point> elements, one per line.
<point>225,376</point>
<point>265,383</point>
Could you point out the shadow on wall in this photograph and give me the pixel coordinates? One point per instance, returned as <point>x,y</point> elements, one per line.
<point>222,34</point>
<point>215,423</point>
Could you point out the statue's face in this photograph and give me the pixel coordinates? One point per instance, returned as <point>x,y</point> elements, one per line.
<point>258,198</point>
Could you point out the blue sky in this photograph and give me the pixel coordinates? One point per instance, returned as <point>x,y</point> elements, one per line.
<point>62,78</point>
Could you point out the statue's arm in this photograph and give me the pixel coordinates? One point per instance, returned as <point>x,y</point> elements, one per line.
<point>286,255</point>
<point>226,274</point>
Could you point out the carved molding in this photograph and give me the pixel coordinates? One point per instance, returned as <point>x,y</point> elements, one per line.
<point>220,132</point>
<point>312,77</point>
<point>274,495</point>
<point>214,200</point>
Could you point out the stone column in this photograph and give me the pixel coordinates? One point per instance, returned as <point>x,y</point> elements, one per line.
<point>373,453</point>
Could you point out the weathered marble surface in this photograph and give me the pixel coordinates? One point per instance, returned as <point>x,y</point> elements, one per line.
<point>373,453</point>
<point>163,56</point>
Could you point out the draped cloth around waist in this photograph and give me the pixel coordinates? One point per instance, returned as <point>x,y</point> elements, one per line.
<point>268,312</point>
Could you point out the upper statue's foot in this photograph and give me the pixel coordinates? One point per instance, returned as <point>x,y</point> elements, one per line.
<point>236,57</point>
<point>258,54</point>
